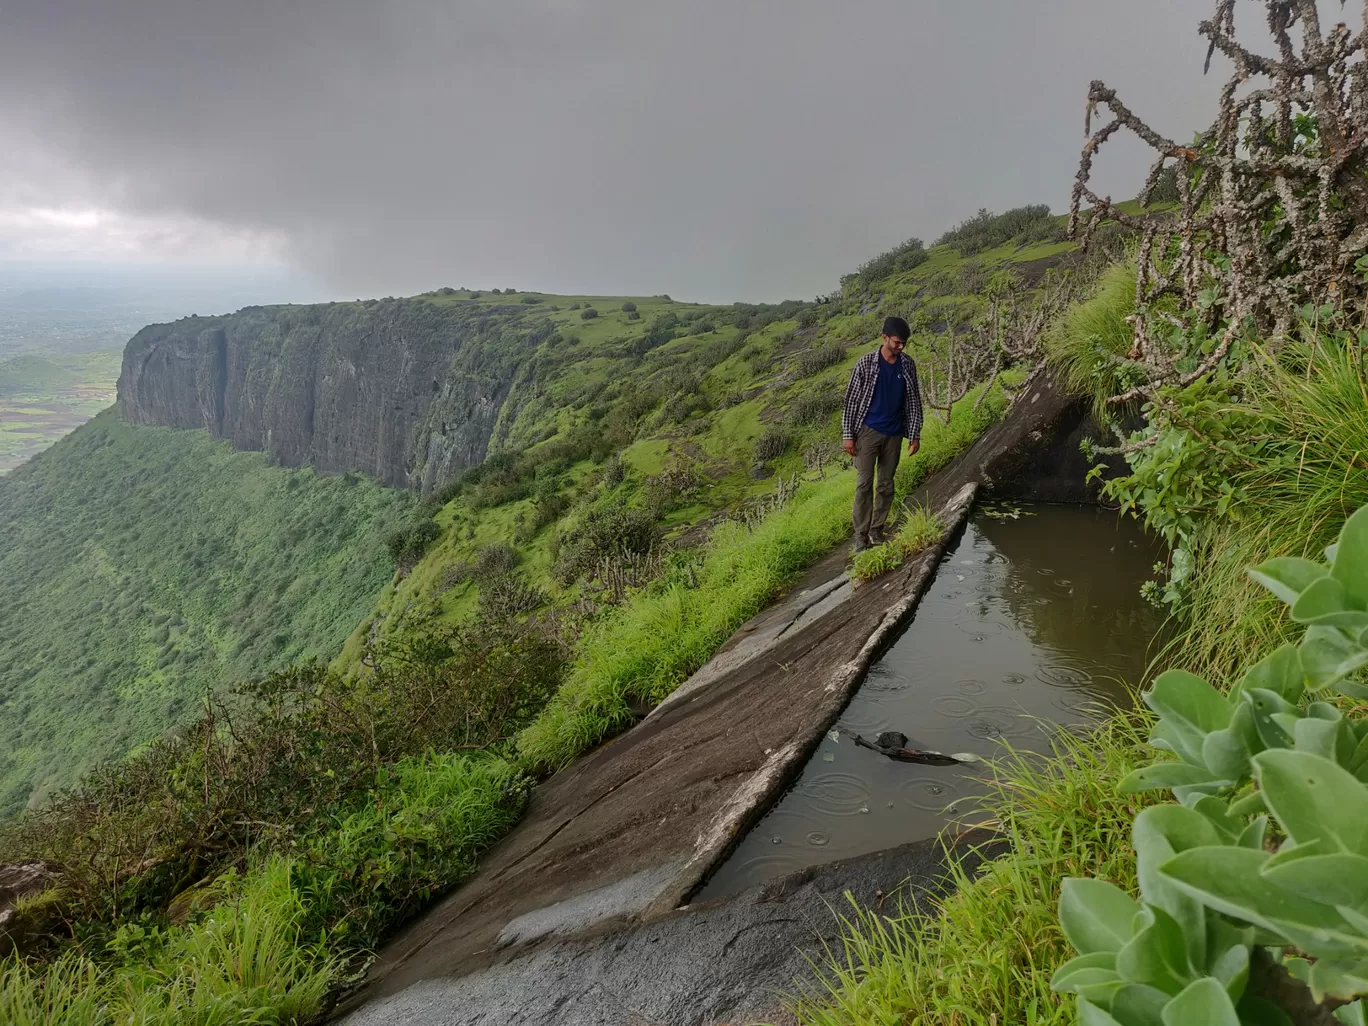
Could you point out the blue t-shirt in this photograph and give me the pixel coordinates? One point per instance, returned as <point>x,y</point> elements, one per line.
<point>887,410</point>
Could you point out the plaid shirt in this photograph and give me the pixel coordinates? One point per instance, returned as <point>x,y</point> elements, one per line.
<point>860,393</point>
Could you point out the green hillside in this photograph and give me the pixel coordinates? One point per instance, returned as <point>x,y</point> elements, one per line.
<point>145,565</point>
<point>142,565</point>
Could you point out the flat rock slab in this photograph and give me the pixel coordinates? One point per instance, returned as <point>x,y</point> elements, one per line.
<point>628,832</point>
<point>732,961</point>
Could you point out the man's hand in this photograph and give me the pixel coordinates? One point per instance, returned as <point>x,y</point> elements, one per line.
<point>849,446</point>
<point>913,444</point>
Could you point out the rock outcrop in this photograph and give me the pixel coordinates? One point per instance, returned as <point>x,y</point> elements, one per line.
<point>406,391</point>
<point>16,883</point>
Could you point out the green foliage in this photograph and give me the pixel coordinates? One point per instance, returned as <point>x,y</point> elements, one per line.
<point>985,952</point>
<point>1269,849</point>
<point>815,360</point>
<point>911,254</point>
<point>641,651</point>
<point>1089,343</point>
<point>278,759</point>
<point>145,565</point>
<point>419,831</point>
<point>249,960</point>
<point>986,230</point>
<point>771,445</point>
<point>588,313</point>
<point>605,530</point>
<point>628,307</point>
<point>920,529</point>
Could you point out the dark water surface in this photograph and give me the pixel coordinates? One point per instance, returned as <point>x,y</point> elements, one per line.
<point>1030,622</point>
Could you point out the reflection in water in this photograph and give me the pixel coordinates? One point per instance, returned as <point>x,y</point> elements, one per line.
<point>1028,623</point>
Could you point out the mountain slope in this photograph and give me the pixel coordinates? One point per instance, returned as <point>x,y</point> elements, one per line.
<point>142,565</point>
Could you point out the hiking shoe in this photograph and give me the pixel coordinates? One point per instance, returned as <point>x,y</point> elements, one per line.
<point>859,546</point>
<point>877,536</point>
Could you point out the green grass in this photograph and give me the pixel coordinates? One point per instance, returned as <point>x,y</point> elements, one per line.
<point>647,648</point>
<point>1085,343</point>
<point>920,529</point>
<point>986,952</point>
<point>247,961</point>
<point>142,565</point>
<point>1292,492</point>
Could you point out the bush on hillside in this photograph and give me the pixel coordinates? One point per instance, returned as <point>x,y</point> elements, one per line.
<point>629,307</point>
<point>986,230</point>
<point>676,485</point>
<point>814,361</point>
<point>275,759</point>
<point>813,408</point>
<point>899,259</point>
<point>770,446</point>
<point>600,532</point>
<point>588,314</point>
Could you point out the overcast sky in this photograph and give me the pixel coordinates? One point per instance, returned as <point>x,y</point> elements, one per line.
<point>713,149</point>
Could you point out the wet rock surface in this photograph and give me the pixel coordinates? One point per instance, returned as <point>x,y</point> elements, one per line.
<point>732,961</point>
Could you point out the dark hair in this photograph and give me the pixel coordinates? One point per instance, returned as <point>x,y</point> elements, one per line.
<point>897,327</point>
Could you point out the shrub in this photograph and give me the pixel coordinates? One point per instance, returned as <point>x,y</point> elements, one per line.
<point>601,531</point>
<point>268,762</point>
<point>676,485</point>
<point>813,408</point>
<point>814,361</point>
<point>588,313</point>
<point>1090,340</point>
<point>770,446</point>
<point>633,315</point>
<point>899,259</point>
<point>986,230</point>
<point>493,561</point>
<point>573,306</point>
<point>508,595</point>
<point>408,544</point>
<point>629,307</point>
<point>530,300</point>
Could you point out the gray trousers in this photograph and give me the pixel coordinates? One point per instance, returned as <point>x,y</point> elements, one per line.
<point>871,448</point>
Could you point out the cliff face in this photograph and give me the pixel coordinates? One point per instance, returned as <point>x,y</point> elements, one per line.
<point>406,391</point>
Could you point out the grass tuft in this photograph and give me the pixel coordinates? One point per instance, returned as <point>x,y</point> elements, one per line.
<point>1086,342</point>
<point>920,529</point>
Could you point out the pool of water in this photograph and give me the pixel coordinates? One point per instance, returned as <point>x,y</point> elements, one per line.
<point>1033,620</point>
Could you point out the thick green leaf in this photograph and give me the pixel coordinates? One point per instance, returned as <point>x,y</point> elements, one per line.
<point>1095,915</point>
<point>1339,979</point>
<point>1190,709</point>
<point>1217,812</point>
<point>1314,798</point>
<point>1250,804</point>
<point>1327,602</point>
<point>1324,736</point>
<point>1090,1014</point>
<point>1157,954</point>
<point>1105,960</point>
<point>1280,672</point>
<point>1253,834</point>
<point>1266,707</point>
<point>1229,881</point>
<point>1351,557</point>
<point>1338,879</point>
<point>1328,654</point>
<point>1159,833</point>
<point>1291,852</point>
<point>1355,1014</point>
<point>1166,774</point>
<point>1204,1002</point>
<point>1227,752</point>
<point>1287,576</point>
<point>1138,1005</point>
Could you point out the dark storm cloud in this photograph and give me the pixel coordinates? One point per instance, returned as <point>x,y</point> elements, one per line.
<point>715,149</point>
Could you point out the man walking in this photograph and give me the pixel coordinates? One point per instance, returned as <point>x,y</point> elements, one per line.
<point>882,406</point>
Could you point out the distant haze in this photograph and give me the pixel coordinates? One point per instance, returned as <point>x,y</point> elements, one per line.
<point>715,149</point>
